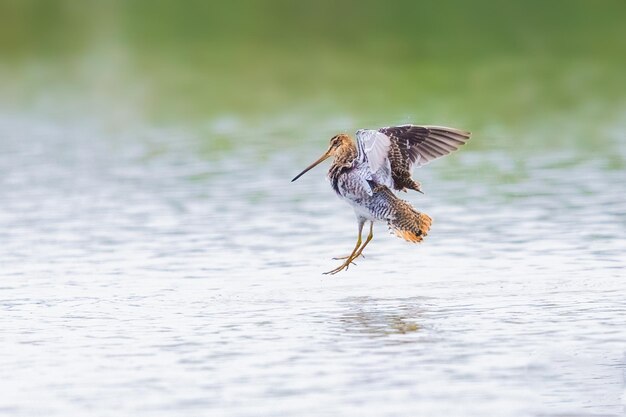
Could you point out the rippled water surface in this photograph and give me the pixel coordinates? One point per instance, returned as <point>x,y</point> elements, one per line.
<point>144,275</point>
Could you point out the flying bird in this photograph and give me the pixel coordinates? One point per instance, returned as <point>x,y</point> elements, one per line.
<point>365,173</point>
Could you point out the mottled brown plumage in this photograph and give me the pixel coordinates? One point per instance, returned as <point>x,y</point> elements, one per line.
<point>405,221</point>
<point>364,174</point>
<point>410,144</point>
<point>345,153</point>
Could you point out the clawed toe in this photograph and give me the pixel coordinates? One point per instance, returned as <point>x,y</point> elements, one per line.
<point>341,267</point>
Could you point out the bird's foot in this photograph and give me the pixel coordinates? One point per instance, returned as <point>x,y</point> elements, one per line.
<point>341,267</point>
<point>338,258</point>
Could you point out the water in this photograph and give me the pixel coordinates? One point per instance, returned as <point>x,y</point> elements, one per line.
<point>145,275</point>
<point>157,261</point>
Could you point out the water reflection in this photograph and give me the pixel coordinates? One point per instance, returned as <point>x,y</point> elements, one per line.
<point>375,317</point>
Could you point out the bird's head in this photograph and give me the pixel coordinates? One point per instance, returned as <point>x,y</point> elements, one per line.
<point>337,144</point>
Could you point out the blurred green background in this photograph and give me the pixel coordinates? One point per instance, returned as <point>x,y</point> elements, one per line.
<point>520,74</point>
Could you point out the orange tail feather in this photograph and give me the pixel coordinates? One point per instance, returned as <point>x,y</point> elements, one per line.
<point>402,218</point>
<point>410,224</point>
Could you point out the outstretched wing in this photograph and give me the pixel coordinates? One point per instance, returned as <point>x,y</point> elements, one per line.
<point>390,153</point>
<point>411,144</point>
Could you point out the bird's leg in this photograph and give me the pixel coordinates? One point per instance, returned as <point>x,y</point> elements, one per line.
<point>350,257</point>
<point>360,251</point>
<point>338,258</point>
<point>358,242</point>
<point>369,238</point>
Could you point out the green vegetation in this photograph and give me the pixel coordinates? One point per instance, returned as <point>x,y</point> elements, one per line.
<point>523,73</point>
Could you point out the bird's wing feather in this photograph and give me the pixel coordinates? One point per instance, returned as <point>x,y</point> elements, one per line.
<point>391,152</point>
<point>422,144</point>
<point>373,156</point>
<point>373,148</point>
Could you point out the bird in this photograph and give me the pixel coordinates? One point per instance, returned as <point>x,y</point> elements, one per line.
<point>366,172</point>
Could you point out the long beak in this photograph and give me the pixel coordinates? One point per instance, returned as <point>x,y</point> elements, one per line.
<point>322,159</point>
